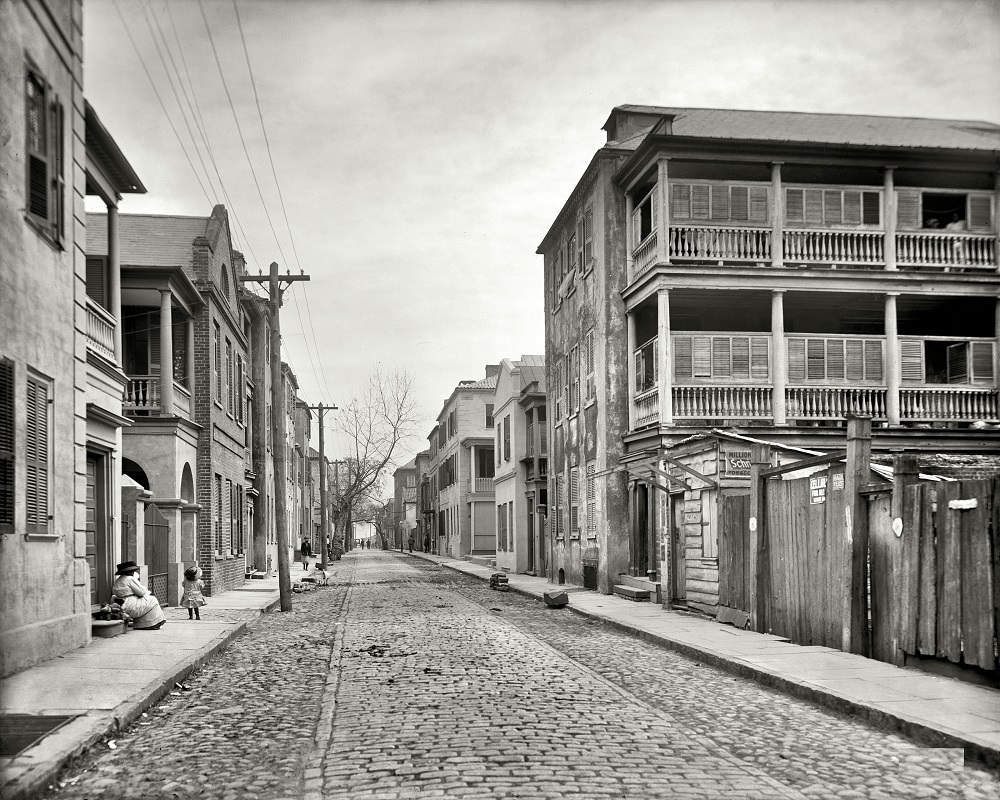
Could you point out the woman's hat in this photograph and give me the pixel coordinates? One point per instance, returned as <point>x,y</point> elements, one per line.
<point>192,572</point>
<point>126,567</point>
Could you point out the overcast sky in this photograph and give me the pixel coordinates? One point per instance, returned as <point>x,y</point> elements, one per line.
<point>422,149</point>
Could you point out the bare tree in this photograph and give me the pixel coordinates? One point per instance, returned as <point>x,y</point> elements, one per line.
<point>375,426</point>
<point>379,513</point>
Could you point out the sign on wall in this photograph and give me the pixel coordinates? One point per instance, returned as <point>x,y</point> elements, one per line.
<point>736,463</point>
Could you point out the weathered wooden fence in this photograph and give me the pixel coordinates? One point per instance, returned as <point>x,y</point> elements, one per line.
<point>735,563</point>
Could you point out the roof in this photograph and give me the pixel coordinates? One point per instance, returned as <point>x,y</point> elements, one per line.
<point>148,240</point>
<point>489,382</point>
<point>104,150</point>
<point>797,126</point>
<point>411,464</point>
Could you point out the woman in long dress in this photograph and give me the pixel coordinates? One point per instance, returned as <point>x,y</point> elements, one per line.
<point>135,599</point>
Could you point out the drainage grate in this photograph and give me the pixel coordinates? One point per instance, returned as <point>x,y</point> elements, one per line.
<point>19,731</point>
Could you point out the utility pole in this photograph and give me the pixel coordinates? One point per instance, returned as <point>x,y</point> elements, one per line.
<point>278,430</point>
<point>324,509</point>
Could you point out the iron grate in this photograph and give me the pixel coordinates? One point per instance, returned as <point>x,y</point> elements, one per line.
<point>18,732</point>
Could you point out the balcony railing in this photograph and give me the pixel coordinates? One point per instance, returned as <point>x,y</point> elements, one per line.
<point>946,249</point>
<point>100,330</point>
<point>142,393</point>
<point>734,402</point>
<point>948,404</point>
<point>647,407</point>
<point>481,485</point>
<point>834,402</point>
<point>715,243</point>
<point>840,248</point>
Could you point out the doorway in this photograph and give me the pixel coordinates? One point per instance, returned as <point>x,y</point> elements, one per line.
<point>678,565</point>
<point>99,550</point>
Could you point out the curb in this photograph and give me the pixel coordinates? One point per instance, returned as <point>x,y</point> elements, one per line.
<point>923,734</point>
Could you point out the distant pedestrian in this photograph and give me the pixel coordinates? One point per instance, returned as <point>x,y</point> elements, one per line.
<point>427,543</point>
<point>193,598</point>
<point>410,543</point>
<point>306,552</point>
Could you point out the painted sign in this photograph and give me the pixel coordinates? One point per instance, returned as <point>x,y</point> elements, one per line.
<point>736,463</point>
<point>817,489</point>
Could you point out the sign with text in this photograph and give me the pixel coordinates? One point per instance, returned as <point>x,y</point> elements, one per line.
<point>736,463</point>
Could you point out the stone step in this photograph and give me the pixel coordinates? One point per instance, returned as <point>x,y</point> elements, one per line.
<point>631,593</point>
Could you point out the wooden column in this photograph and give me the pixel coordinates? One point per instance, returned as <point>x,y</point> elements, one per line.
<point>629,239</point>
<point>166,355</point>
<point>889,205</point>
<point>893,364</point>
<point>630,366</point>
<point>115,277</point>
<point>777,217</point>
<point>663,227</point>
<point>855,637</point>
<point>665,387</point>
<point>996,213</point>
<point>779,359</point>
<point>189,354</point>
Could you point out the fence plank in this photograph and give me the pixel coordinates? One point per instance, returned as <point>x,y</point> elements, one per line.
<point>882,545</point>
<point>976,577</point>
<point>909,569</point>
<point>949,627</point>
<point>927,580</point>
<point>995,552</point>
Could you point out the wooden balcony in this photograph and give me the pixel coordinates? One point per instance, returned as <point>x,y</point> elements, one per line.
<point>834,248</point>
<point>739,402</point>
<point>720,243</point>
<point>948,404</point>
<point>142,397</point>
<point>946,250</point>
<point>100,331</point>
<point>481,485</point>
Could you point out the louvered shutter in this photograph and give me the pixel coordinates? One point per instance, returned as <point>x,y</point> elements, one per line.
<point>683,365</point>
<point>702,357</point>
<point>97,280</point>
<point>636,227</point>
<point>814,206</point>
<point>835,359</point>
<point>815,360</point>
<point>591,499</point>
<point>832,207</point>
<point>699,201</point>
<point>721,365</point>
<point>758,203</point>
<point>958,363</point>
<point>739,202</point>
<point>854,360</point>
<point>760,358</point>
<point>680,201</point>
<point>796,360</point>
<point>911,356</point>
<point>871,208</point>
<point>982,362</point>
<point>980,212</point>
<point>741,356</point>
<point>638,371</point>
<point>794,205</point>
<point>908,209</point>
<point>654,353</point>
<point>36,462</point>
<point>588,236</point>
<point>654,208</point>
<point>37,140</point>
<point>6,445</point>
<point>720,202</point>
<point>874,370</point>
<point>574,499</point>
<point>852,208</point>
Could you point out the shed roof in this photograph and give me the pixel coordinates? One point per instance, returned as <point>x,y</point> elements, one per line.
<point>147,240</point>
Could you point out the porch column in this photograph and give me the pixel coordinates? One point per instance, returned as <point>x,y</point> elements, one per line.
<point>893,364</point>
<point>189,352</point>
<point>779,359</point>
<point>777,216</point>
<point>889,192</point>
<point>630,368</point>
<point>665,388</point>
<point>996,214</point>
<point>166,355</point>
<point>629,236</point>
<point>663,225</point>
<point>115,278</point>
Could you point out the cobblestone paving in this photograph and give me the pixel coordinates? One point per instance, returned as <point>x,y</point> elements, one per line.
<point>443,688</point>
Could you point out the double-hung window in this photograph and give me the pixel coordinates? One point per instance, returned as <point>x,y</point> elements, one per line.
<point>45,180</point>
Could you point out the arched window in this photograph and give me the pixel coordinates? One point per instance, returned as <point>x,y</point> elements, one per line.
<point>224,281</point>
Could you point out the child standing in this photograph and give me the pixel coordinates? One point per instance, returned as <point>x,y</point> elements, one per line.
<point>193,598</point>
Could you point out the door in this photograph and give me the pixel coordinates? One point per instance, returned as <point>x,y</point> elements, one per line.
<point>157,532</point>
<point>531,534</point>
<point>678,566</point>
<point>98,532</point>
<point>640,529</point>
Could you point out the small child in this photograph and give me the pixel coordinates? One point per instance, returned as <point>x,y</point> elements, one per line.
<point>193,598</point>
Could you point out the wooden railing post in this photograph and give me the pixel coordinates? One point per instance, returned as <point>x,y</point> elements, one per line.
<point>757,540</point>
<point>855,542</point>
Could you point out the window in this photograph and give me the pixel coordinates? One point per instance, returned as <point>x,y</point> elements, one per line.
<point>97,280</point>
<point>588,238</point>
<point>230,388</point>
<point>38,455</point>
<point>833,207</point>
<point>646,367</point>
<point>557,489</point>
<point>821,359</point>
<point>442,435</point>
<point>739,357</point>
<point>917,209</point>
<point>489,415</point>
<point>571,254</point>
<point>6,445</point>
<point>574,385</point>
<point>719,202</point>
<point>645,217</point>
<point>559,383</point>
<point>217,363</point>
<point>947,361</point>
<point>588,365</point>
<point>574,502</point>
<point>591,500</point>
<point>506,438</point>
<point>452,423</point>
<point>45,180</point>
<point>232,516</point>
<point>529,432</point>
<point>499,447</point>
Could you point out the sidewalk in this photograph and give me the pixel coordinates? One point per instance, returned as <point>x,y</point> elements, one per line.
<point>941,712</point>
<point>105,685</point>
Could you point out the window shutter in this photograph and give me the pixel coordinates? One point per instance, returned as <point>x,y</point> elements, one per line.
<point>815,359</point>
<point>591,499</point>
<point>835,359</point>
<point>6,445</point>
<point>574,500</point>
<point>796,360</point>
<point>874,371</point>
<point>702,357</point>
<point>636,227</point>
<point>739,202</point>
<point>760,357</point>
<point>908,209</point>
<point>699,201</point>
<point>654,208</point>
<point>720,202</point>
<point>741,356</point>
<point>588,236</point>
<point>37,141</point>
<point>814,206</point>
<point>36,462</point>
<point>852,208</point>
<point>982,362</point>
<point>911,356</point>
<point>637,356</point>
<point>721,365</point>
<point>683,366</point>
<point>680,201</point>
<point>654,353</point>
<point>832,207</point>
<point>758,203</point>
<point>97,280</point>
<point>871,208</point>
<point>980,214</point>
<point>854,360</point>
<point>794,205</point>
<point>958,363</point>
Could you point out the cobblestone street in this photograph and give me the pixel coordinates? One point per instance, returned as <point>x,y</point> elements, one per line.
<point>403,679</point>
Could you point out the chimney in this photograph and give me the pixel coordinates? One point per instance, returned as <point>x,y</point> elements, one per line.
<point>492,370</point>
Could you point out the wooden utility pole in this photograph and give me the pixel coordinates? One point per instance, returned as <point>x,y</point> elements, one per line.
<point>324,510</point>
<point>278,430</point>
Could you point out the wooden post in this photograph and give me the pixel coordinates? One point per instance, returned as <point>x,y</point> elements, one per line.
<point>757,541</point>
<point>855,637</point>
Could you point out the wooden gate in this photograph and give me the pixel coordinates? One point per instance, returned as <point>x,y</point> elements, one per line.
<point>157,536</point>
<point>735,564</point>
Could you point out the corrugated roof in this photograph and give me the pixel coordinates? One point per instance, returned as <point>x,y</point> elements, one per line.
<point>147,240</point>
<point>848,129</point>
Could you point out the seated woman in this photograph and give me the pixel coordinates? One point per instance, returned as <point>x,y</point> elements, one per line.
<point>135,599</point>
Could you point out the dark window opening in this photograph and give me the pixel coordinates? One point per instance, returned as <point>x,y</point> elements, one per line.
<point>943,211</point>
